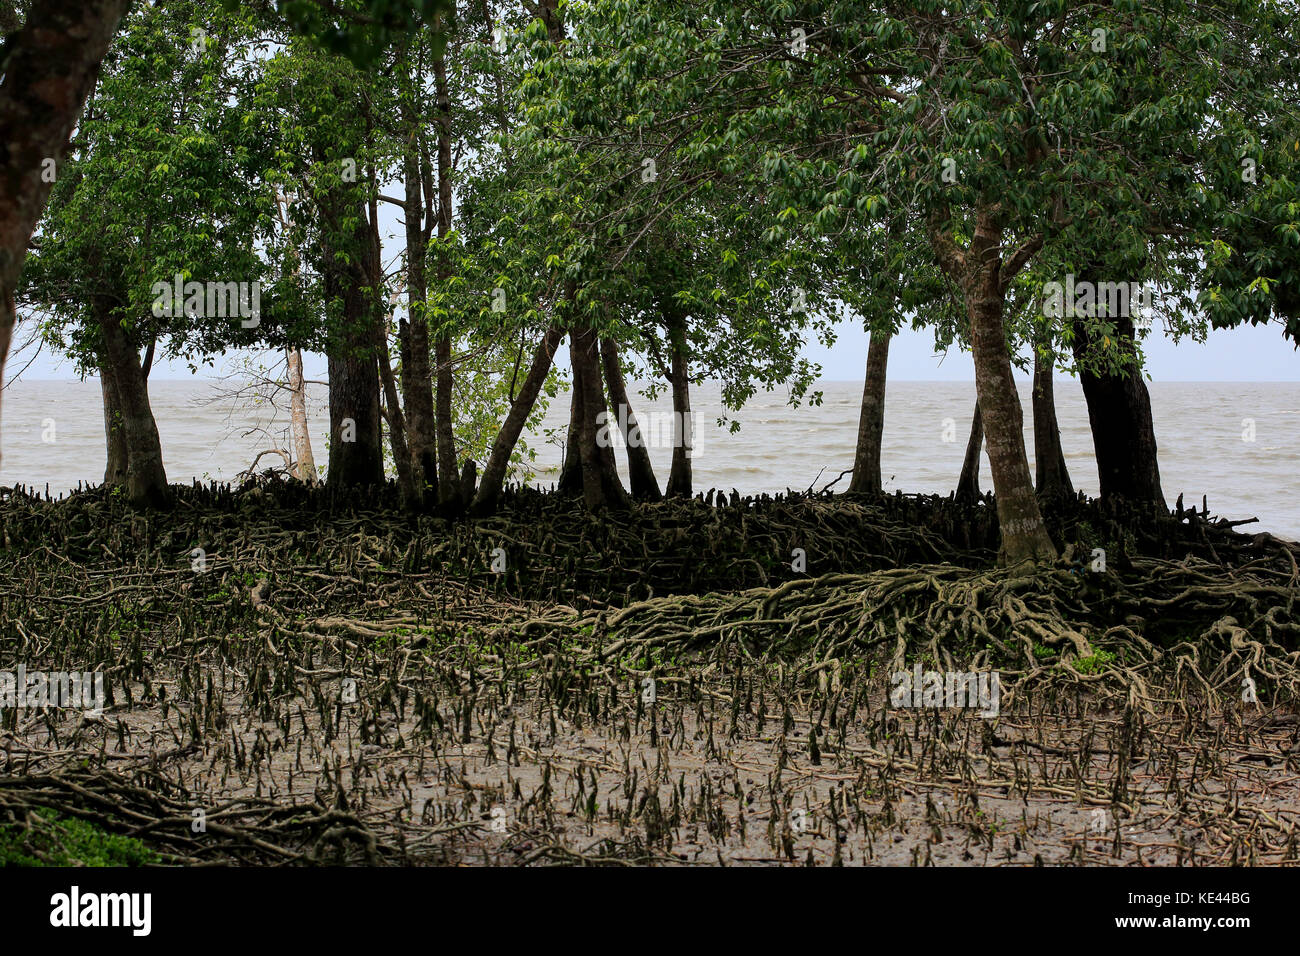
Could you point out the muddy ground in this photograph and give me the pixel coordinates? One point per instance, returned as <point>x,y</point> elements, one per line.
<point>339,685</point>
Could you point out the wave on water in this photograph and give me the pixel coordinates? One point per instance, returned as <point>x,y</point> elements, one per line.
<point>1199,429</point>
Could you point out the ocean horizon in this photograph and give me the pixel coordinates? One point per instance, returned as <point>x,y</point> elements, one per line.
<point>1236,443</point>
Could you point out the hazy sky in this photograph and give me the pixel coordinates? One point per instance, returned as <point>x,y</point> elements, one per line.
<point>1249,354</point>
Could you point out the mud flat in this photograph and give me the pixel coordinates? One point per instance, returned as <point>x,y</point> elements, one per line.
<point>293,681</point>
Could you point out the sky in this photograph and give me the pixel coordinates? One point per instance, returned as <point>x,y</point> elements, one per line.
<point>1248,354</point>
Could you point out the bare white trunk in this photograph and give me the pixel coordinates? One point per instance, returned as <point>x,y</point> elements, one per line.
<point>305,469</point>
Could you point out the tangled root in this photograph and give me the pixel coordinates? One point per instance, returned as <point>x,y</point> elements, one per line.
<point>1200,634</point>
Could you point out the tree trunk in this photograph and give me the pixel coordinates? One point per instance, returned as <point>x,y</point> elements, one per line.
<point>146,479</point>
<point>417,394</point>
<point>641,473</point>
<point>570,484</point>
<point>449,488</point>
<point>413,332</point>
<point>601,488</point>
<point>8,319</point>
<point>1052,478</point>
<point>680,476</point>
<point>356,443</point>
<point>304,468</point>
<point>871,424</point>
<point>304,460</point>
<point>356,452</point>
<point>408,487</point>
<point>448,474</point>
<point>521,406</point>
<point>114,439</point>
<point>50,66</point>
<point>1119,413</point>
<point>406,483</point>
<point>968,485</point>
<point>1024,536</point>
<point>580,446</point>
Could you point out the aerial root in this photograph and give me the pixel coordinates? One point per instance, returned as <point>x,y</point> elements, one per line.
<point>1177,624</point>
<point>246,831</point>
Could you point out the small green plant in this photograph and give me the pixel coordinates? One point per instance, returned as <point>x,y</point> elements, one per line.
<point>52,840</point>
<point>1094,663</point>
